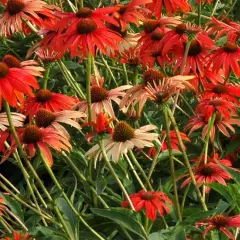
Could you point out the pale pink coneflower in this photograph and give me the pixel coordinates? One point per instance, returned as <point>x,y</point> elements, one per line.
<point>124,138</point>
<point>45,118</point>
<point>101,99</point>
<point>30,66</point>
<point>17,119</point>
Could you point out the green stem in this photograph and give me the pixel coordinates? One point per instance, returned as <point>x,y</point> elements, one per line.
<point>146,224</point>
<point>154,163</point>
<point>185,196</point>
<point>135,77</point>
<point>50,172</point>
<point>88,86</point>
<point>109,70</point>
<point>139,167</point>
<point>233,5</point>
<point>125,74</point>
<point>187,163</point>
<point>174,181</point>
<point>8,228</point>
<point>199,13</point>
<point>215,7</point>
<point>46,76</point>
<point>105,158</point>
<point>81,4</point>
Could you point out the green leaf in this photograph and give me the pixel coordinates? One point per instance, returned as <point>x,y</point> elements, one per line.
<point>234,174</point>
<point>14,206</point>
<point>223,190</point>
<point>101,184</point>
<point>122,216</point>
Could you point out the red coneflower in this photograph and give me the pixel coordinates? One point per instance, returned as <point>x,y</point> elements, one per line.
<point>14,83</point>
<point>101,99</point>
<point>45,118</point>
<point>209,106</point>
<point>18,11</point>
<point>124,137</point>
<point>221,124</point>
<point>220,223</point>
<point>152,202</point>
<point>32,137</point>
<point>54,102</point>
<point>208,173</point>
<point>226,91</point>
<point>131,13</point>
<point>174,140</point>
<point>18,236</point>
<point>2,205</point>
<point>227,58</point>
<point>172,6</point>
<point>30,66</point>
<point>101,126</point>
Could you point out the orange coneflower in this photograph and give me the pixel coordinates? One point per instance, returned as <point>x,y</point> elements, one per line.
<point>32,137</point>
<point>14,83</point>
<point>18,11</point>
<point>45,118</point>
<point>152,202</point>
<point>30,66</point>
<point>101,99</point>
<point>124,137</point>
<point>18,236</point>
<point>46,99</point>
<point>172,6</point>
<point>220,223</point>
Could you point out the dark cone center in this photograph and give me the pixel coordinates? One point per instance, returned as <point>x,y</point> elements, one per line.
<point>98,94</point>
<point>195,48</point>
<point>230,48</point>
<point>219,89</point>
<point>32,134</point>
<point>122,8</point>
<point>4,70</point>
<point>151,75</point>
<point>86,26</point>
<point>181,28</point>
<point>43,95</point>
<point>206,170</point>
<point>147,196</point>
<point>14,6</point>
<point>157,35</point>
<point>220,221</point>
<point>122,132</point>
<point>156,54</point>
<point>44,118</point>
<point>150,25</point>
<point>11,61</point>
<point>84,12</point>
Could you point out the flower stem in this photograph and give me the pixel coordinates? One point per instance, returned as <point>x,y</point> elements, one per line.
<point>88,86</point>
<point>187,163</point>
<point>135,161</point>
<point>8,228</point>
<point>109,70</point>
<point>135,77</point>
<point>174,181</point>
<point>81,4</point>
<point>199,13</point>
<point>215,7</point>
<point>106,159</point>
<point>46,76</point>
<point>50,172</point>
<point>233,5</point>
<point>125,73</point>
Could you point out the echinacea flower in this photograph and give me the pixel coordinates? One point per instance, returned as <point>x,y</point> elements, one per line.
<point>101,126</point>
<point>33,137</point>
<point>174,140</point>
<point>54,102</point>
<point>14,83</point>
<point>17,120</point>
<point>227,58</point>
<point>222,124</point>
<point>124,138</point>
<point>152,202</point>
<point>2,205</point>
<point>209,106</point>
<point>30,66</point>
<point>172,6</point>
<point>45,118</point>
<point>18,236</point>
<point>101,99</point>
<point>208,173</point>
<point>220,223</point>
<point>131,13</point>
<point>18,11</point>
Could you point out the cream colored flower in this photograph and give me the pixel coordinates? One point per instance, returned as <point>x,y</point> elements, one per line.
<point>124,137</point>
<point>17,119</point>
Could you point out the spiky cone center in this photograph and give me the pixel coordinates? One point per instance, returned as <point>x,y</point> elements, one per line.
<point>195,48</point>
<point>43,95</point>
<point>157,35</point>
<point>84,12</point>
<point>133,61</point>
<point>98,94</point>
<point>230,48</point>
<point>122,132</point>
<point>162,97</point>
<point>4,70</point>
<point>117,29</point>
<point>122,8</point>
<point>44,118</point>
<point>156,54</point>
<point>220,89</point>
<point>147,196</point>
<point>14,6</point>
<point>11,61</point>
<point>32,134</point>
<point>206,170</point>
<point>220,221</point>
<point>150,25</point>
<point>151,75</point>
<point>86,26</point>
<point>181,28</point>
